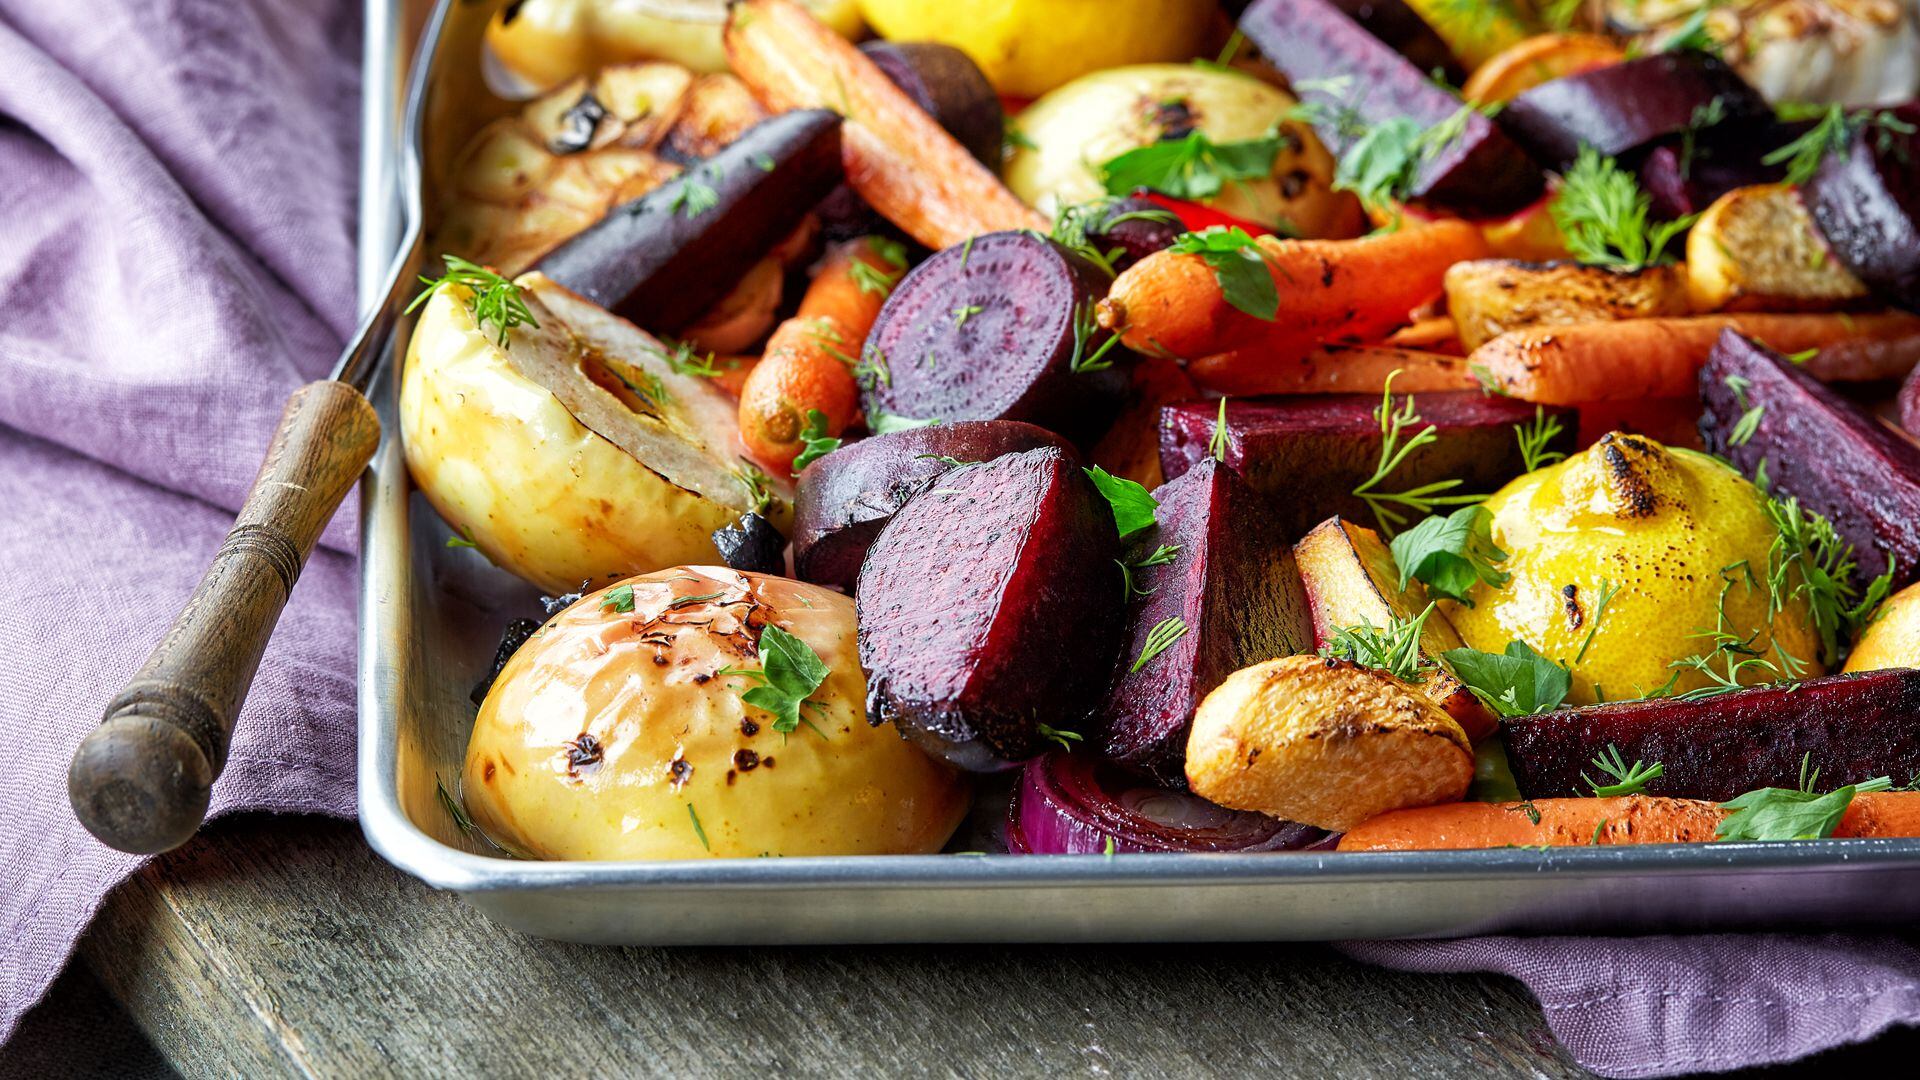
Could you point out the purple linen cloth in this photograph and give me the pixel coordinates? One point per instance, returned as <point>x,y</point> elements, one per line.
<point>176,257</point>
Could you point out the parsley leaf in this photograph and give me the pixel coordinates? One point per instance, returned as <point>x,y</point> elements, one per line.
<point>1133,506</point>
<point>619,598</point>
<point>1790,814</point>
<point>789,671</point>
<point>1451,554</point>
<point>1604,216</point>
<point>1519,682</point>
<point>1238,265</point>
<point>817,443</point>
<point>1194,167</point>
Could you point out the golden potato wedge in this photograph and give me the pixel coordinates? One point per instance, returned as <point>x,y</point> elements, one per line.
<point>1756,249</point>
<point>1351,581</point>
<point>1538,59</point>
<point>1324,742</point>
<point>1489,297</point>
<point>718,110</point>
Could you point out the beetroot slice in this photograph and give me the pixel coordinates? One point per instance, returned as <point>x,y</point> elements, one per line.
<point>1308,452</point>
<point>1820,448</point>
<point>951,88</point>
<point>1071,804</point>
<point>987,331</point>
<point>1867,204</point>
<point>1850,727</point>
<point>990,606</point>
<point>845,498</point>
<point>1403,30</point>
<point>1233,584</point>
<point>1337,65</point>
<point>1724,157</point>
<point>1623,107</point>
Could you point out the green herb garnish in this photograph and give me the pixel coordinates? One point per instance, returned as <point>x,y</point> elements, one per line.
<point>1066,739</point>
<point>759,486</point>
<point>1832,133</point>
<point>1133,506</point>
<point>1518,682</point>
<point>490,297</point>
<point>1792,814</point>
<point>694,815</point>
<point>1159,640</point>
<point>1394,649</point>
<point>1537,438</point>
<point>1605,217</point>
<point>1193,167</point>
<point>1809,560</point>
<point>1160,556</point>
<point>619,598</point>
<point>816,443</point>
<point>1238,264</point>
<point>452,806</point>
<point>789,671</point>
<point>1627,779</point>
<point>464,540</point>
<point>1085,326</point>
<point>694,198</point>
<point>1422,499</point>
<point>1220,442</point>
<point>881,422</point>
<point>1451,554</point>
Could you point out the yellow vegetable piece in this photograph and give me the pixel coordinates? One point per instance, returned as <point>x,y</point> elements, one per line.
<point>547,42</point>
<point>1892,640</point>
<point>1667,531</point>
<point>614,734</point>
<point>1028,47</point>
<point>1474,29</point>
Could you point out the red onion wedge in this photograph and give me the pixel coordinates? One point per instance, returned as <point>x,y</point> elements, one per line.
<point>1071,804</point>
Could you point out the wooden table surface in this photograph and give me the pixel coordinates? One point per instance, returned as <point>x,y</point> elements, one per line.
<point>285,947</point>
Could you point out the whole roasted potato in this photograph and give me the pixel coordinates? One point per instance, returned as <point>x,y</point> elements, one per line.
<point>572,452</point>
<point>1073,131</point>
<point>620,731</point>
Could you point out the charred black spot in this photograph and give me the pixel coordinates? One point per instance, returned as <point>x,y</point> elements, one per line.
<point>583,751</point>
<point>748,727</point>
<point>1629,482</point>
<point>767,761</point>
<point>746,760</point>
<point>681,770</point>
<point>1175,118</point>
<point>577,126</point>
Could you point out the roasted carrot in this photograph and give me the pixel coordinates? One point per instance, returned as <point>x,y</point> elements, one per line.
<point>808,362</point>
<point>1642,358</point>
<point>898,158</point>
<point>733,372</point>
<point>1330,290</point>
<point>1332,369</point>
<point>1633,819</point>
<point>1434,333</point>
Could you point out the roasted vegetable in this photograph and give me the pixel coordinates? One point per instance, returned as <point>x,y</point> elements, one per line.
<point>1309,454</point>
<point>1353,81</point>
<point>567,447</point>
<point>990,609</point>
<point>1687,173</point>
<point>1397,23</point>
<point>1756,250</point>
<point>897,157</point>
<point>1163,126</point>
<point>951,88</point>
<point>1539,59</point>
<point>1352,583</point>
<point>1001,328</point>
<point>717,110</point>
<point>1623,107</point>
<point>1634,819</point>
<point>1072,804</point>
<point>1851,728</point>
<point>664,259</point>
<point>549,41</point>
<point>752,544</point>
<point>1866,202</point>
<point>1660,358</point>
<point>1489,297</point>
<point>1892,637</point>
<point>1324,743</point>
<point>848,496</point>
<point>1819,448</point>
<point>1216,570</point>
<point>1131,447</point>
<point>626,729</point>
<point>1335,369</point>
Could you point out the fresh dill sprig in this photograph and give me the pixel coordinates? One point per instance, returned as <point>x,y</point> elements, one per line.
<point>876,280</point>
<point>759,487</point>
<point>1221,442</point>
<point>1085,326</point>
<point>1066,739</point>
<point>1810,561</point>
<point>1627,779</point>
<point>1160,556</point>
<point>1159,640</point>
<point>1394,649</point>
<point>1536,440</point>
<point>1832,134</point>
<point>1606,218</point>
<point>1388,507</point>
<point>490,297</point>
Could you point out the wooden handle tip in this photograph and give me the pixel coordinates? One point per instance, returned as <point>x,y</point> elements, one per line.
<point>140,784</point>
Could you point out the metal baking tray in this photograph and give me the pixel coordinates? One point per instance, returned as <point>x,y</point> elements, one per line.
<point>430,618</point>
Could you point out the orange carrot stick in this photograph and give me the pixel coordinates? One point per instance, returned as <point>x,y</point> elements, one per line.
<point>1643,358</point>
<point>1633,819</point>
<point>1330,290</point>
<point>898,158</point>
<point>808,362</point>
<point>1332,369</point>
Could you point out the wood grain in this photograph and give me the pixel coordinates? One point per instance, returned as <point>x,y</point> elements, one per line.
<point>272,947</point>
<point>140,782</point>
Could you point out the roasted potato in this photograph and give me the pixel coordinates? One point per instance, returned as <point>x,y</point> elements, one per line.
<point>1756,249</point>
<point>1351,581</point>
<point>547,42</point>
<point>1324,742</point>
<point>1489,297</point>
<point>574,452</point>
<point>619,731</point>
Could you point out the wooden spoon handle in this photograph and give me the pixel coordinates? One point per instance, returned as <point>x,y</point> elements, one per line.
<point>141,780</point>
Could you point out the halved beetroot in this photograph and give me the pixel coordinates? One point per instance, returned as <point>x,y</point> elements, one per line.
<point>1623,107</point>
<point>1233,584</point>
<point>1824,450</point>
<point>842,501</point>
<point>1850,727</point>
<point>1335,64</point>
<point>1867,204</point>
<point>662,260</point>
<point>1000,328</point>
<point>1308,452</point>
<point>990,607</point>
<point>1402,28</point>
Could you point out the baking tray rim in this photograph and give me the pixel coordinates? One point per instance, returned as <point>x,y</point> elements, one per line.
<point>385,587</point>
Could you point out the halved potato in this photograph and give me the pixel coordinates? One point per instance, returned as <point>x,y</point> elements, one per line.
<point>1489,297</point>
<point>620,734</point>
<point>574,453</point>
<point>1757,249</point>
<point>1324,742</point>
<point>1351,581</point>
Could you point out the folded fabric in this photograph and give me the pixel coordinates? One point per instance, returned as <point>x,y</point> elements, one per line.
<point>177,257</point>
